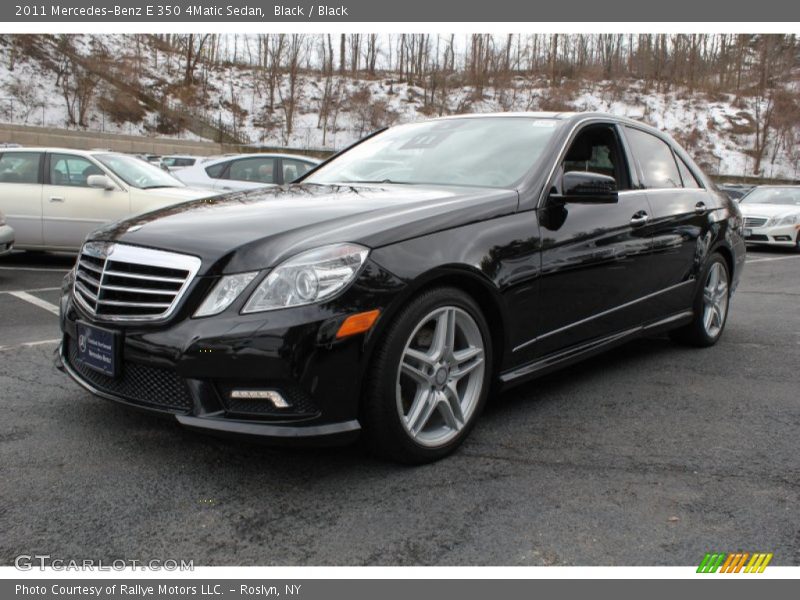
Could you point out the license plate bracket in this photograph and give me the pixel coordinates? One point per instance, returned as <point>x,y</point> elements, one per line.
<point>99,348</point>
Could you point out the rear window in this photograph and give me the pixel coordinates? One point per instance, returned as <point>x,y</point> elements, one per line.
<point>655,158</point>
<point>20,167</point>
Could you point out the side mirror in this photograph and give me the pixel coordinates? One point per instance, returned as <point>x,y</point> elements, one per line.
<point>102,182</point>
<point>580,186</point>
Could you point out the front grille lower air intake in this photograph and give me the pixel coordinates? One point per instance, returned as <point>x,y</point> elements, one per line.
<point>116,282</point>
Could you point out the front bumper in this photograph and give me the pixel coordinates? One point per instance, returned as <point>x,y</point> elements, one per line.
<point>188,369</point>
<point>779,235</point>
<point>6,239</point>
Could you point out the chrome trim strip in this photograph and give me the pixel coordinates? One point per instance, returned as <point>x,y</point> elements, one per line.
<point>88,279</point>
<point>677,317</point>
<point>135,304</point>
<point>90,266</point>
<point>576,352</point>
<point>132,290</point>
<point>602,314</point>
<point>86,292</point>
<point>146,277</point>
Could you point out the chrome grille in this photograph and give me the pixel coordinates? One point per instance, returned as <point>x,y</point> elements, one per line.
<point>116,282</point>
<point>755,221</point>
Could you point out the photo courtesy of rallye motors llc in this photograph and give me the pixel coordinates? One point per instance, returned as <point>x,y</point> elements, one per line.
<point>396,285</point>
<point>144,591</point>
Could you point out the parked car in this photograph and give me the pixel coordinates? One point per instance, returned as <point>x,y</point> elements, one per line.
<point>6,236</point>
<point>772,216</point>
<point>246,171</point>
<point>53,197</point>
<point>386,291</point>
<point>175,162</point>
<point>735,191</point>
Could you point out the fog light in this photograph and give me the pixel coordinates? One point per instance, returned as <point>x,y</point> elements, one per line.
<point>274,397</point>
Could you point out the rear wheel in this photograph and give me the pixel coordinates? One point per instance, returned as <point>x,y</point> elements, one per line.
<point>429,378</point>
<point>710,306</point>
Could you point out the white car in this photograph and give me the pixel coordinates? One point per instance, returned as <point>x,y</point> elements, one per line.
<point>6,236</point>
<point>54,197</point>
<point>772,216</point>
<point>246,171</point>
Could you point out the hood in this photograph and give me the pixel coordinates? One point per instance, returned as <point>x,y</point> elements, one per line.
<point>768,210</point>
<point>258,229</point>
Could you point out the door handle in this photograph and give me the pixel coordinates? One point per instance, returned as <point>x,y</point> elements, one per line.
<point>56,198</point>
<point>639,219</point>
<point>700,208</point>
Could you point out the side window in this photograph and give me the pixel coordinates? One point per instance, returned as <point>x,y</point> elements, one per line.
<point>68,169</point>
<point>256,169</point>
<point>20,167</point>
<point>597,150</point>
<point>655,157</point>
<point>689,180</point>
<point>292,169</point>
<point>183,162</point>
<point>215,171</point>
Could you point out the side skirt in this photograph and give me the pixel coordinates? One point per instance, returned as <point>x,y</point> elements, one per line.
<point>575,354</point>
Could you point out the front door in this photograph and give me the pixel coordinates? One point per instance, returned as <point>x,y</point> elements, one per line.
<point>72,209</point>
<point>595,256</point>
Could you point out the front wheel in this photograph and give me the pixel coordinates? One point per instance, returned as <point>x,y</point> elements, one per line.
<point>429,378</point>
<point>710,306</point>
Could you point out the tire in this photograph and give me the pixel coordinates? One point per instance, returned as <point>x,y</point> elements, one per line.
<point>710,306</point>
<point>424,393</point>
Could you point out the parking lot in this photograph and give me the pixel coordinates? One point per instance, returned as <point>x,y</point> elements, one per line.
<point>652,454</point>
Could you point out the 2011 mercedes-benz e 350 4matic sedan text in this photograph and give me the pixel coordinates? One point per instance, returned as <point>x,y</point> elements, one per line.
<point>386,291</point>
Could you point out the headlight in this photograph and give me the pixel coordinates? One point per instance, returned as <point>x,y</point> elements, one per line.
<point>309,277</point>
<point>226,291</point>
<point>788,220</point>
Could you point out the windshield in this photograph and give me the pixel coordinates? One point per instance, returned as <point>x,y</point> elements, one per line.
<point>787,196</point>
<point>488,152</point>
<point>138,173</point>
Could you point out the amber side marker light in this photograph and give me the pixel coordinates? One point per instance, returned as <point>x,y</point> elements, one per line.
<point>358,323</point>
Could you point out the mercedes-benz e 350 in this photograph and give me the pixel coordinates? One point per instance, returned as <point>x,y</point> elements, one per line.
<point>389,290</point>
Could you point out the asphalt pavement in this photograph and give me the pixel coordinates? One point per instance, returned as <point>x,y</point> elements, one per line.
<point>653,454</point>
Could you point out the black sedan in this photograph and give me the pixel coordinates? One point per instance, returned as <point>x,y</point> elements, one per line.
<point>388,291</point>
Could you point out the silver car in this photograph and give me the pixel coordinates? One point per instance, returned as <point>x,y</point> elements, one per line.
<point>246,171</point>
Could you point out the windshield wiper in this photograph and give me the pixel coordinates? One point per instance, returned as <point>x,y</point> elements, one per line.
<point>153,187</point>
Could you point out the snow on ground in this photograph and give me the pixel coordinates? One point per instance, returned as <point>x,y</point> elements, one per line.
<point>708,127</point>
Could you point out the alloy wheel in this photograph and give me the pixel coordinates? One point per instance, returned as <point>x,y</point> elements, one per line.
<point>440,376</point>
<point>715,300</point>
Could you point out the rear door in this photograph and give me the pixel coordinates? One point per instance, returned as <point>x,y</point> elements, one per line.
<point>680,223</point>
<point>21,195</point>
<point>72,209</point>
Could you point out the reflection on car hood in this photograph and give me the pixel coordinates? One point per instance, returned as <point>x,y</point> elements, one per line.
<point>258,229</point>
<point>768,210</point>
<point>177,193</point>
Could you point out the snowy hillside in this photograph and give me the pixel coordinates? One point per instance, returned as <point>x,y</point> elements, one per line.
<point>718,129</point>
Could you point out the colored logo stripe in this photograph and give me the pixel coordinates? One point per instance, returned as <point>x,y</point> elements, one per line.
<point>733,562</point>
